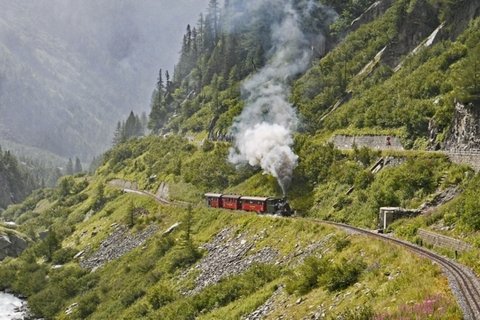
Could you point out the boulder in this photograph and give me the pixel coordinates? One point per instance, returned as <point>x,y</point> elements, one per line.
<point>11,245</point>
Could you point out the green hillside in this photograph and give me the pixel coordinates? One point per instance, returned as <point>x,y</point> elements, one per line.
<point>258,94</point>
<point>305,263</point>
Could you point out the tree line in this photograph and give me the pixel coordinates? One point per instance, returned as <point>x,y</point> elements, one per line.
<point>15,180</point>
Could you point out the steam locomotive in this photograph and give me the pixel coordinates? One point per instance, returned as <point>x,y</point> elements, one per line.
<point>261,205</point>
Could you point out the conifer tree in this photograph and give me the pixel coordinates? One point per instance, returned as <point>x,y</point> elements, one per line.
<point>131,126</point>
<point>118,136</point>
<point>157,113</point>
<point>78,165</point>
<point>69,167</point>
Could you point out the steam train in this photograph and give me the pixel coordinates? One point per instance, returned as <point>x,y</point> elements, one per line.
<point>261,205</point>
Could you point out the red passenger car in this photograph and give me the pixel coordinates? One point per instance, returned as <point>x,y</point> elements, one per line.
<point>257,204</point>
<point>231,202</point>
<point>214,200</point>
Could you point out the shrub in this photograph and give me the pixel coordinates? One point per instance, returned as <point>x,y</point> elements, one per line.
<point>183,257</point>
<point>161,295</point>
<point>163,245</point>
<point>131,296</point>
<point>86,305</point>
<point>341,244</point>
<point>307,276</point>
<point>63,255</point>
<point>342,275</point>
<point>47,302</point>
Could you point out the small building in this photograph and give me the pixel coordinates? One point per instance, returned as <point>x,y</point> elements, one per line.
<point>387,215</point>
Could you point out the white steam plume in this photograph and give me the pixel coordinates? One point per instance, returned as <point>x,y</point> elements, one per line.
<point>263,132</point>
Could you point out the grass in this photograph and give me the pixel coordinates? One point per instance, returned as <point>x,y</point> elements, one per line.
<point>125,288</point>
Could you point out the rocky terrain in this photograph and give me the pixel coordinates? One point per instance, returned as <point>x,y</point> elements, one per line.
<point>11,244</point>
<point>119,242</point>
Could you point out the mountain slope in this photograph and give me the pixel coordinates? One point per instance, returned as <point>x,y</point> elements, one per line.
<point>69,71</point>
<point>112,250</point>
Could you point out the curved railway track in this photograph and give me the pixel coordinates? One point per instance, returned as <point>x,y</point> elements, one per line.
<point>465,285</point>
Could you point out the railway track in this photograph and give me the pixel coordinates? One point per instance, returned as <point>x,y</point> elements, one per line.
<point>465,285</point>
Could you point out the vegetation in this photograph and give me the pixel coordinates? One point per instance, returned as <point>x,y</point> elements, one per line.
<point>191,112</point>
<point>150,280</point>
<point>16,181</point>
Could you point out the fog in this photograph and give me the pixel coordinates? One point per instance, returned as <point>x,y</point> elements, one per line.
<point>70,69</point>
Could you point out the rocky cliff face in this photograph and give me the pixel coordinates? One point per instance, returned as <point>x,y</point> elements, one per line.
<point>11,245</point>
<point>416,26</point>
<point>465,11</point>
<point>374,11</point>
<point>465,132</point>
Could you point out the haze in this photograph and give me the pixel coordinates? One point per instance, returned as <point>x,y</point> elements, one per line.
<point>69,69</point>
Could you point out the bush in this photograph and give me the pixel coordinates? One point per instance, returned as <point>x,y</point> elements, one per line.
<point>183,257</point>
<point>306,278</point>
<point>163,245</point>
<point>161,296</point>
<point>86,305</point>
<point>342,275</point>
<point>131,296</point>
<point>341,244</point>
<point>47,303</point>
<point>63,255</point>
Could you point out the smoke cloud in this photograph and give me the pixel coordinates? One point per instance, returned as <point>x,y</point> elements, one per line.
<point>263,132</point>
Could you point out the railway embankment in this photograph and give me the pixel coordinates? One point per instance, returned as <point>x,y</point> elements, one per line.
<point>229,255</point>
<point>464,283</point>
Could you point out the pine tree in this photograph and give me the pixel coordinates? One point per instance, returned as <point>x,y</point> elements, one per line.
<point>157,114</point>
<point>69,167</point>
<point>144,121</point>
<point>78,165</point>
<point>214,18</point>
<point>119,135</point>
<point>138,127</point>
<point>130,126</point>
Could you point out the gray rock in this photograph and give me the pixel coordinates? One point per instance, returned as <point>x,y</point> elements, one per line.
<point>116,245</point>
<point>11,245</point>
<point>228,256</point>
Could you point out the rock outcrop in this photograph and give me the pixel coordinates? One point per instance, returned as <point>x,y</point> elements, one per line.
<point>418,25</point>
<point>465,11</point>
<point>120,242</point>
<point>228,255</point>
<point>374,11</point>
<point>465,132</point>
<point>11,245</point>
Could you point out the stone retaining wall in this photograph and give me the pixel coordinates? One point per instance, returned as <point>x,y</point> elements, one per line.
<point>343,142</point>
<point>439,240</point>
<point>471,159</point>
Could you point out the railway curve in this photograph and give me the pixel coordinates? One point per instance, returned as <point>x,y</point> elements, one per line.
<point>465,285</point>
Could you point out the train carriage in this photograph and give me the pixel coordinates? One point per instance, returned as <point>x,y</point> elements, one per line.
<point>256,204</point>
<point>214,200</point>
<point>231,202</point>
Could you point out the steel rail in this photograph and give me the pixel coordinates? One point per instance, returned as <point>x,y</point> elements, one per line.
<point>467,284</point>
